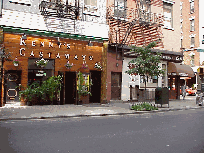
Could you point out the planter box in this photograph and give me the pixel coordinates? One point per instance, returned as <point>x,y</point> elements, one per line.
<point>85,99</point>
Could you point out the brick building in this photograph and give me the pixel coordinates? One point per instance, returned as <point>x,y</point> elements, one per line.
<point>33,30</point>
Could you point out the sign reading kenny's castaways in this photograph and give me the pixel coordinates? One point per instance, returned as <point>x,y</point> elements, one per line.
<point>22,42</point>
<point>21,51</point>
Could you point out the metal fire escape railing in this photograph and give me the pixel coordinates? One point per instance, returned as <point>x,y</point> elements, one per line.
<point>59,9</point>
<point>63,14</point>
<point>140,15</point>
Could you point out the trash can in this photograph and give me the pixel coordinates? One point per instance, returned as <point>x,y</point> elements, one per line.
<point>162,96</point>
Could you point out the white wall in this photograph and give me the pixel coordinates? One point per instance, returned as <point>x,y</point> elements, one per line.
<point>127,80</point>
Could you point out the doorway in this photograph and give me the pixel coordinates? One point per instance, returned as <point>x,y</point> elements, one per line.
<point>96,87</point>
<point>13,80</point>
<point>116,79</point>
<point>70,88</point>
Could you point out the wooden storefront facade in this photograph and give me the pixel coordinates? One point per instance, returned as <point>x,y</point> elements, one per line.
<point>57,48</point>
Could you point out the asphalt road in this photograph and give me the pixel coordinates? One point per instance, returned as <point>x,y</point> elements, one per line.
<point>167,132</point>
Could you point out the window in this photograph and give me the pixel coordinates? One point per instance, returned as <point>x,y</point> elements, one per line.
<point>90,5</point>
<point>192,60</point>
<point>192,25</point>
<point>168,17</point>
<point>192,6</point>
<point>155,79</point>
<point>192,41</point>
<point>120,8</point>
<point>145,10</point>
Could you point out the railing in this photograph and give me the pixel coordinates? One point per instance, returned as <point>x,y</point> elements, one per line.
<point>135,14</point>
<point>141,95</point>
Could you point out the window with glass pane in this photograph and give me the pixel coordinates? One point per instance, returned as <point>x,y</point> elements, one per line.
<point>90,5</point>
<point>192,25</point>
<point>155,79</point>
<point>168,17</point>
<point>192,6</point>
<point>192,41</point>
<point>192,60</point>
<point>120,8</point>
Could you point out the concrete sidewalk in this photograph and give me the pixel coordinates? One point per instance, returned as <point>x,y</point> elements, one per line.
<point>113,108</point>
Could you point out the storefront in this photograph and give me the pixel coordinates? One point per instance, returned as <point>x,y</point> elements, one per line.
<point>176,71</point>
<point>27,47</point>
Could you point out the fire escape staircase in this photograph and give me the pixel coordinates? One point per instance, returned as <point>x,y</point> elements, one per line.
<point>137,28</point>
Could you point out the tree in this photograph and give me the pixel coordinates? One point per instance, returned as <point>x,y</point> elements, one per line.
<point>146,63</point>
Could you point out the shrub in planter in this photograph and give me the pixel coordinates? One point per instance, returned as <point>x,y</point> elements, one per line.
<point>144,107</point>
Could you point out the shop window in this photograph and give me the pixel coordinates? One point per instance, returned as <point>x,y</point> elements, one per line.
<point>120,8</point>
<point>168,16</point>
<point>155,79</point>
<point>191,6</point>
<point>192,28</point>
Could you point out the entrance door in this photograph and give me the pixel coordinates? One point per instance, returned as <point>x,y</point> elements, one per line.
<point>96,87</point>
<point>116,78</point>
<point>70,87</point>
<point>13,79</point>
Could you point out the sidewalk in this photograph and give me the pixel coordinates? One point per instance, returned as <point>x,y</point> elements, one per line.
<point>113,108</point>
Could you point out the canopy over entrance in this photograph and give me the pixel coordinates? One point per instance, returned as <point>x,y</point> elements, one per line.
<point>180,69</point>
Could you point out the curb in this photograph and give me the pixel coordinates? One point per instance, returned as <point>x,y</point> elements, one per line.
<point>136,112</point>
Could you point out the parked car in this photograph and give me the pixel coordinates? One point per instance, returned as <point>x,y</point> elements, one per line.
<point>190,92</point>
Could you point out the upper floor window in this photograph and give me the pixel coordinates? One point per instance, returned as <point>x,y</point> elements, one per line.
<point>192,25</point>
<point>120,8</point>
<point>192,41</point>
<point>91,5</point>
<point>168,15</point>
<point>191,6</point>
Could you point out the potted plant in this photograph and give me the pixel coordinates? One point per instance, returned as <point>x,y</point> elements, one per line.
<point>41,63</point>
<point>16,62</point>
<point>98,66</point>
<point>85,66</point>
<point>82,86</point>
<point>68,65</point>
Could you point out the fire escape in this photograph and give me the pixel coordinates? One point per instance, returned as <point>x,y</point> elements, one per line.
<point>133,26</point>
<point>60,15</point>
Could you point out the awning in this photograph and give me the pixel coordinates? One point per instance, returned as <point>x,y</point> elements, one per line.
<point>180,69</point>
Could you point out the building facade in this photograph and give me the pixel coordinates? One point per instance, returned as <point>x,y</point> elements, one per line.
<point>138,23</point>
<point>60,32</point>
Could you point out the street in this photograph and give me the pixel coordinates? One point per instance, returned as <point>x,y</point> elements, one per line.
<point>166,132</point>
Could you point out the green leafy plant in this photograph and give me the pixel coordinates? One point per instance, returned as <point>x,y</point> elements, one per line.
<point>146,63</point>
<point>68,65</point>
<point>144,107</point>
<point>16,61</point>
<point>42,94</point>
<point>82,86</point>
<point>42,62</point>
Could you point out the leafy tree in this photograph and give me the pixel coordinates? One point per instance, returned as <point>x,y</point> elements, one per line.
<point>146,63</point>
